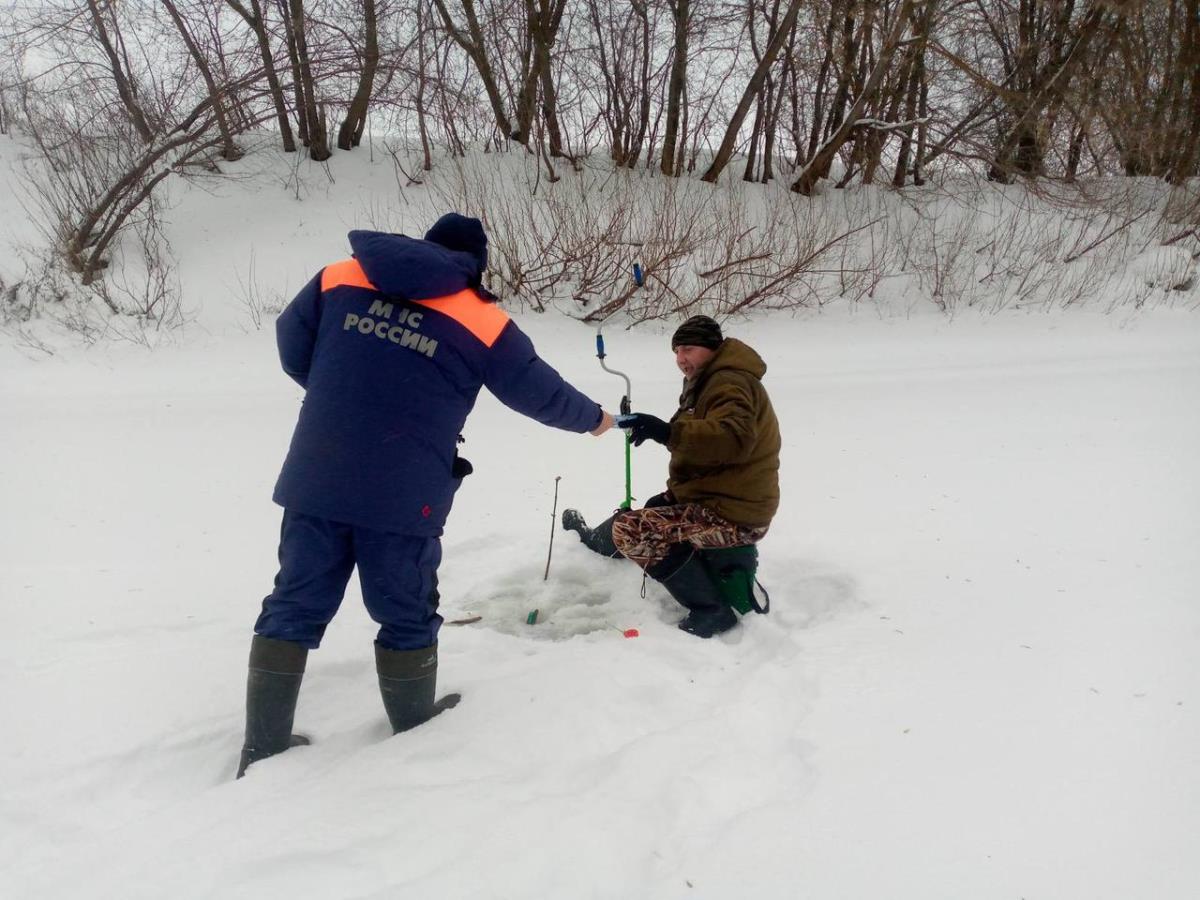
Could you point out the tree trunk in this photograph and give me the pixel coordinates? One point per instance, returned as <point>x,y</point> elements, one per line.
<point>531,66</point>
<point>297,81</point>
<point>350,134</point>
<point>254,18</point>
<point>1075,154</point>
<point>318,142</point>
<point>422,83</point>
<point>819,94</point>
<point>750,173</point>
<point>774,104</point>
<point>675,85</point>
<point>853,39</point>
<point>550,114</point>
<point>543,19</point>
<point>912,99</point>
<point>102,221</point>
<point>635,151</point>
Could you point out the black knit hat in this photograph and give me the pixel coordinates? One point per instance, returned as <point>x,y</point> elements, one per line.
<point>458,232</point>
<point>698,331</point>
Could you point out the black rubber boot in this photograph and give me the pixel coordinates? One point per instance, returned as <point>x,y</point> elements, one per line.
<point>273,685</point>
<point>687,579</point>
<point>407,682</point>
<point>598,539</point>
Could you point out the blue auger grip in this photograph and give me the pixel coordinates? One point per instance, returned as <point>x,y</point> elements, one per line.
<point>600,346</point>
<point>637,275</point>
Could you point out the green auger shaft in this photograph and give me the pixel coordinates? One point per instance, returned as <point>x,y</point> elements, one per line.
<point>626,408</point>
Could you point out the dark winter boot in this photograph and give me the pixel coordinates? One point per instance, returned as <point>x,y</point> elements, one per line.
<point>687,579</point>
<point>598,539</point>
<point>276,669</point>
<point>407,681</point>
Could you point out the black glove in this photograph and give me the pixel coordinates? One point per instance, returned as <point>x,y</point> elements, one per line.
<point>645,427</point>
<point>663,499</point>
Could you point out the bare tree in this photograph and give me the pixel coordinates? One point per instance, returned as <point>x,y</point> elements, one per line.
<point>125,85</point>
<point>543,19</point>
<point>778,37</point>
<point>1146,94</point>
<point>350,134</point>
<point>915,85</point>
<point>423,38</point>
<point>1187,163</point>
<point>229,149</point>
<point>95,176</point>
<point>895,91</point>
<point>623,54</point>
<point>1036,48</point>
<point>253,12</point>
<point>511,53</point>
<point>676,84</point>
<point>818,166</point>
<point>545,36</point>
<point>473,43</point>
<point>312,117</point>
<point>1039,81</point>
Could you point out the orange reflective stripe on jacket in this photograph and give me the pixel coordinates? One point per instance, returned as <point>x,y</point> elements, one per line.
<point>347,273</point>
<point>484,320</point>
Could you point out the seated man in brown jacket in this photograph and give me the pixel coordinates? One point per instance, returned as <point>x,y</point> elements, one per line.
<point>723,481</point>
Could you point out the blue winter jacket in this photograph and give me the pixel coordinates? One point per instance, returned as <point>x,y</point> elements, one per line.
<point>392,348</point>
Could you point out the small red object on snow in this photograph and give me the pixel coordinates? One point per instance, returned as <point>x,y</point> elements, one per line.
<point>630,632</point>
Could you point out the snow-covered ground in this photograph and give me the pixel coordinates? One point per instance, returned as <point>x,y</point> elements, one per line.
<point>980,677</point>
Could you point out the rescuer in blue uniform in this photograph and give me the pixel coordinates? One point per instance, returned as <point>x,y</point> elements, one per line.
<point>391,347</point>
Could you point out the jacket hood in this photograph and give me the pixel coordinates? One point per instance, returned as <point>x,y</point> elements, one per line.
<point>413,269</point>
<point>733,354</point>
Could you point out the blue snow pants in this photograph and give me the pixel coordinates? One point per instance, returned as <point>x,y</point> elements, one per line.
<point>397,572</point>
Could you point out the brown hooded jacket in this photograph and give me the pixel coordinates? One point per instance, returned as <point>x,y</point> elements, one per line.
<point>725,439</point>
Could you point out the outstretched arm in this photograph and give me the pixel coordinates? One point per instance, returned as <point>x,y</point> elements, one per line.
<point>524,382</point>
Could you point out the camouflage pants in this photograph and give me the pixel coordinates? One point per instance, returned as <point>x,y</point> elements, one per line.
<point>646,535</point>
